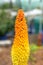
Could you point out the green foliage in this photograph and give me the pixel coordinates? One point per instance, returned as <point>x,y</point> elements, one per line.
<point>6,23</point>
<point>14,7</point>
<point>5,6</point>
<point>33,47</point>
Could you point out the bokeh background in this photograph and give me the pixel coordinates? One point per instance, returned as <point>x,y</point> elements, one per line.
<point>33,10</point>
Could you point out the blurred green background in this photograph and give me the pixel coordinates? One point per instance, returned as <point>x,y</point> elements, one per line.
<point>7,20</point>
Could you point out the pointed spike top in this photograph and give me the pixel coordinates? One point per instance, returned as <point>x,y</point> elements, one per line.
<point>20,15</point>
<point>20,11</point>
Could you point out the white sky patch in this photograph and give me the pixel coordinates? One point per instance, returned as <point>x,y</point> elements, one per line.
<point>21,0</point>
<point>8,1</point>
<point>13,0</point>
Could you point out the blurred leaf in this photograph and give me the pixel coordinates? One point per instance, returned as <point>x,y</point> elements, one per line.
<point>33,47</point>
<point>6,22</point>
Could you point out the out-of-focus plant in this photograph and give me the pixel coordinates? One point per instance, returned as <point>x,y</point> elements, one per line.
<point>5,6</point>
<point>10,5</point>
<point>34,48</point>
<point>6,23</point>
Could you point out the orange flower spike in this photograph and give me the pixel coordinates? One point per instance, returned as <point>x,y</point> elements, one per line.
<point>20,25</point>
<point>20,49</point>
